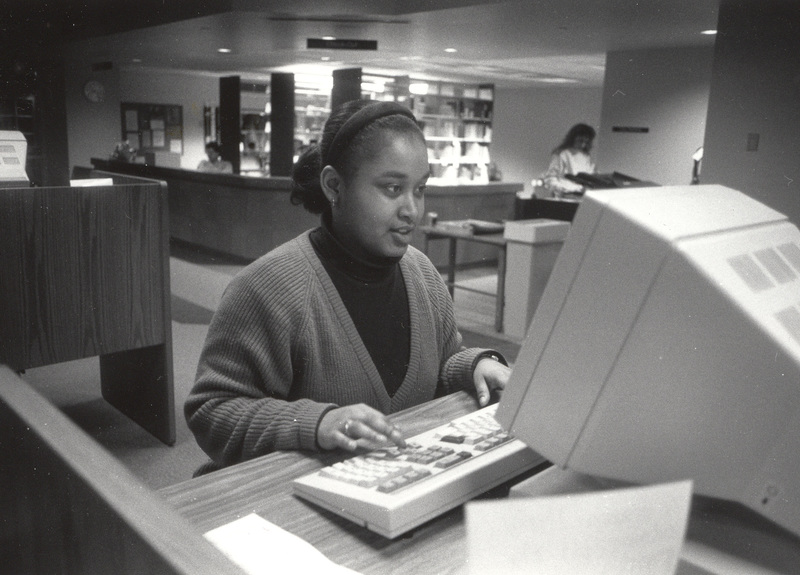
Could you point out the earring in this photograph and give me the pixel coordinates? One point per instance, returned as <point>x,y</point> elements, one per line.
<point>333,202</point>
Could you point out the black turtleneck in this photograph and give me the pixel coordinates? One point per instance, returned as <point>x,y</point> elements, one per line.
<point>375,296</point>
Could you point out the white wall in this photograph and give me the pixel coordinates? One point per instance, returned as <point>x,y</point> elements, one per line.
<point>665,91</point>
<point>755,89</point>
<point>529,122</point>
<point>191,91</point>
<point>94,128</point>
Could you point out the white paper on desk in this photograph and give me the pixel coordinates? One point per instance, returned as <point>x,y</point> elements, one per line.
<point>631,530</point>
<point>262,548</point>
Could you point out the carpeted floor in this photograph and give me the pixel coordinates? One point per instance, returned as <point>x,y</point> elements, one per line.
<point>197,282</point>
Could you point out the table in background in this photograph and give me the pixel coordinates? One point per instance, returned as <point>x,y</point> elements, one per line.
<point>453,234</point>
<point>263,486</point>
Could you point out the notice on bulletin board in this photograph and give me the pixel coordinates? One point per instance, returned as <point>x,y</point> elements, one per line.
<point>153,127</point>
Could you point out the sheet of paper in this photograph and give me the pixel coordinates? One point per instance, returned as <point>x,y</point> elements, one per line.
<point>262,548</point>
<point>91,182</point>
<point>618,531</point>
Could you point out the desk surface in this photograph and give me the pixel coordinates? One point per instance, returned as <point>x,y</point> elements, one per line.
<point>263,486</point>
<point>443,230</point>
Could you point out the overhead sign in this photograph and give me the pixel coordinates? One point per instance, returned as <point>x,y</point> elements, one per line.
<point>341,44</point>
<point>631,129</point>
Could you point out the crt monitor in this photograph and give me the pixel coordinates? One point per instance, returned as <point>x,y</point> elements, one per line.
<point>666,346</point>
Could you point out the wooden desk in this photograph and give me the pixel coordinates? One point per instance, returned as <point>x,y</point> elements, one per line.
<point>454,234</point>
<point>490,201</point>
<point>263,486</point>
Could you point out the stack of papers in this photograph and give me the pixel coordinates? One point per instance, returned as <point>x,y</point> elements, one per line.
<point>262,548</point>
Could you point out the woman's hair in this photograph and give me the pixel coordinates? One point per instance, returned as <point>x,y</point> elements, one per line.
<point>574,132</point>
<point>349,134</point>
<point>214,146</point>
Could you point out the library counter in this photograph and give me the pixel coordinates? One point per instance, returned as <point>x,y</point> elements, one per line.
<point>263,486</point>
<point>247,216</point>
<point>236,215</point>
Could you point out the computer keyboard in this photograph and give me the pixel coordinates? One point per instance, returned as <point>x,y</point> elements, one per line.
<point>392,490</point>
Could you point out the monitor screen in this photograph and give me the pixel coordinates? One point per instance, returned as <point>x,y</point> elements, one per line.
<point>666,346</point>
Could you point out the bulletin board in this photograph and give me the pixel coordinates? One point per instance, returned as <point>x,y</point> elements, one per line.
<point>153,127</point>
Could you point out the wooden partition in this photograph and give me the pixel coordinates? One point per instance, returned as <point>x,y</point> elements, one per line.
<point>67,506</point>
<point>85,272</point>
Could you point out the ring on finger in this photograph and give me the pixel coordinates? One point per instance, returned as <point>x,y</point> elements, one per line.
<point>347,424</point>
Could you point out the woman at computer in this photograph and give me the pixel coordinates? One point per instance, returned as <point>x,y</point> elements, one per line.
<point>571,157</point>
<point>315,342</point>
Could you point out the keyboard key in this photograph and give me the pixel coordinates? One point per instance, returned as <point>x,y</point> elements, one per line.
<point>453,438</point>
<point>451,460</point>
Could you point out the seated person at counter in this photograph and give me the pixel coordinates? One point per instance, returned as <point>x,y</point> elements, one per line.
<point>570,157</point>
<point>215,163</point>
<point>316,341</point>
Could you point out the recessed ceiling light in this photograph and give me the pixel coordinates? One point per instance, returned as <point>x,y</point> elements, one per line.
<point>450,50</point>
<point>329,37</point>
<point>557,80</point>
<point>709,32</point>
<point>136,60</point>
<point>325,58</point>
<point>224,50</point>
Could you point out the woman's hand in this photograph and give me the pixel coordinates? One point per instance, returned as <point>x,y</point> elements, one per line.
<point>489,375</point>
<point>357,426</point>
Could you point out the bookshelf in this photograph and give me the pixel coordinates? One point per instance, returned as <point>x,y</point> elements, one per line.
<point>457,122</point>
<point>310,112</point>
<point>455,118</point>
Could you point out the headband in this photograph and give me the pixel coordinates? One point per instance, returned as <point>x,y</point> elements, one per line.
<point>360,120</point>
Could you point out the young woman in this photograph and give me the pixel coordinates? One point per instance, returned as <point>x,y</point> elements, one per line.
<point>570,157</point>
<point>317,340</point>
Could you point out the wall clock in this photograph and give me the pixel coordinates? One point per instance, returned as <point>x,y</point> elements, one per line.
<point>94,91</point>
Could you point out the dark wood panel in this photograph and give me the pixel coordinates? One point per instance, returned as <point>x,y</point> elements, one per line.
<point>67,506</point>
<point>82,273</point>
<point>85,272</point>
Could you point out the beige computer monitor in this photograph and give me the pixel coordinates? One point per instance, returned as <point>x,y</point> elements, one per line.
<point>666,346</point>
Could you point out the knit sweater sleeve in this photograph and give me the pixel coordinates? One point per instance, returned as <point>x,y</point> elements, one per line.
<point>240,406</point>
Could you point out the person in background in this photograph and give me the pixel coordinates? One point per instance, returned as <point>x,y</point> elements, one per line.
<point>215,163</point>
<point>570,157</point>
<point>317,341</point>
